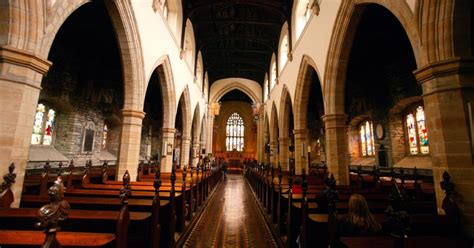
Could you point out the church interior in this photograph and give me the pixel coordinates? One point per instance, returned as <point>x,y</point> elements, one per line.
<point>237,123</point>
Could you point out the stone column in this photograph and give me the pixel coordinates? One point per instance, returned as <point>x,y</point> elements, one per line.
<point>284,143</point>
<point>20,83</point>
<point>129,147</point>
<point>210,133</point>
<point>261,138</point>
<point>167,151</point>
<point>195,153</point>
<point>274,154</point>
<point>447,93</point>
<point>185,149</point>
<point>301,160</point>
<point>336,147</point>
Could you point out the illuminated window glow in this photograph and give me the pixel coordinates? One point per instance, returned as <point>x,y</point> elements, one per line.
<point>43,126</point>
<point>417,132</point>
<point>366,132</point>
<point>235,133</point>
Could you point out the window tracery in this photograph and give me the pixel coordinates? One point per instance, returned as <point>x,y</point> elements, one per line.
<point>417,132</point>
<point>235,133</point>
<point>366,132</point>
<point>43,126</point>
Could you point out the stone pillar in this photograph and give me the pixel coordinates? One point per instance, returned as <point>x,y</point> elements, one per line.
<point>20,83</point>
<point>447,93</point>
<point>195,153</point>
<point>336,147</point>
<point>261,138</point>
<point>185,149</point>
<point>129,147</point>
<point>284,143</point>
<point>167,151</point>
<point>274,154</point>
<point>210,133</point>
<point>301,160</point>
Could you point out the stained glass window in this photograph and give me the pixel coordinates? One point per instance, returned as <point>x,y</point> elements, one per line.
<point>235,133</point>
<point>366,132</point>
<point>417,132</point>
<point>43,126</point>
<point>105,135</point>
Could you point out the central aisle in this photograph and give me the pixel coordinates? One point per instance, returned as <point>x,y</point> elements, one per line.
<point>232,219</point>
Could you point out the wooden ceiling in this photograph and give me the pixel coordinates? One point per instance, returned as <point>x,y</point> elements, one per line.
<point>237,37</point>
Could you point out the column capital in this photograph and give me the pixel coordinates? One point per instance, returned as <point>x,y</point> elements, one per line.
<point>283,139</point>
<point>23,58</point>
<point>334,119</point>
<point>168,130</point>
<point>444,75</point>
<point>133,113</point>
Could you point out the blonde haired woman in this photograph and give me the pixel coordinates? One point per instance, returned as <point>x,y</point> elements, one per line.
<point>358,220</point>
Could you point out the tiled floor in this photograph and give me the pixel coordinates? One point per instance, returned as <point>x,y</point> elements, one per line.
<point>232,219</point>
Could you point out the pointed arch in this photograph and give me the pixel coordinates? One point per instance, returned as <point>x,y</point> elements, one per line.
<point>303,90</point>
<point>123,21</point>
<point>185,101</point>
<point>342,38</point>
<point>274,133</point>
<point>286,110</point>
<point>162,66</point>
<point>196,124</point>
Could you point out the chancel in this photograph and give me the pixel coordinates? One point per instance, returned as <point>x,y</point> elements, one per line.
<point>232,123</point>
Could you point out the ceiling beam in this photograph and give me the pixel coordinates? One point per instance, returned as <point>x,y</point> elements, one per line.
<point>234,21</point>
<point>265,43</point>
<point>230,3</point>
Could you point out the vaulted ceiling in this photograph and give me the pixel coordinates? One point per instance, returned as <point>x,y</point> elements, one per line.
<point>237,37</point>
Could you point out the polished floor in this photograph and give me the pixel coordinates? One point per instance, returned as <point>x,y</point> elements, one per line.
<point>232,219</point>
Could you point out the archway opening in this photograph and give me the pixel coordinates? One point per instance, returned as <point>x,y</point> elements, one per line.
<point>380,91</point>
<point>236,144</point>
<point>314,123</point>
<point>78,112</point>
<point>152,140</point>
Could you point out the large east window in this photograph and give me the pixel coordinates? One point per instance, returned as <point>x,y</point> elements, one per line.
<point>366,132</point>
<point>235,133</point>
<point>416,131</point>
<point>43,126</point>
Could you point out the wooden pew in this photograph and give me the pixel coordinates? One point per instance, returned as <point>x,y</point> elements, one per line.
<point>49,217</point>
<point>6,194</point>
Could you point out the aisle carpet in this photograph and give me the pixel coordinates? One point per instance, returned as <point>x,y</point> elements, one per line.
<point>232,219</point>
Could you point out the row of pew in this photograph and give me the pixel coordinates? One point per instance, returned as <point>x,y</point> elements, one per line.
<point>97,211</point>
<point>303,210</point>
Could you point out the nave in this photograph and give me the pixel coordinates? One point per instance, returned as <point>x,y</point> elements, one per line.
<point>232,219</point>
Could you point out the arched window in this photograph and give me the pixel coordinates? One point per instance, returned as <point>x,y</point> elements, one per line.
<point>105,137</point>
<point>273,75</point>
<point>235,133</point>
<point>303,13</point>
<point>284,51</point>
<point>416,131</point>
<point>366,132</point>
<point>164,7</point>
<point>43,126</point>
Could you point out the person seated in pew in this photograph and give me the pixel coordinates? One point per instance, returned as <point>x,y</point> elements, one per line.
<point>359,220</point>
<point>297,188</point>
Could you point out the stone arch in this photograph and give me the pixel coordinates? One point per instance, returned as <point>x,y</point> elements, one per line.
<point>185,101</point>
<point>286,110</point>
<point>274,133</point>
<point>162,66</point>
<point>444,28</point>
<point>122,17</point>
<point>196,124</point>
<point>196,130</point>
<point>343,35</point>
<point>303,87</point>
<point>23,24</point>
<point>221,87</point>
